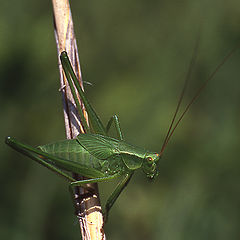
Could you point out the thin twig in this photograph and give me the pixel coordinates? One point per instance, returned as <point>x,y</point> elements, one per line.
<point>89,214</point>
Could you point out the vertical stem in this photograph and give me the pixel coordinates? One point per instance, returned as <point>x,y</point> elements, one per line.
<point>88,205</point>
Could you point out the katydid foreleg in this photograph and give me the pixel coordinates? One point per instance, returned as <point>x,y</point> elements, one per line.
<point>115,194</point>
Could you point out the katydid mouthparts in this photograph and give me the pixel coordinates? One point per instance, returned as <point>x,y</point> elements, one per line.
<point>95,155</point>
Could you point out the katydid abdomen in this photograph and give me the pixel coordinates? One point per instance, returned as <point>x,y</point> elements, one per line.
<point>72,151</point>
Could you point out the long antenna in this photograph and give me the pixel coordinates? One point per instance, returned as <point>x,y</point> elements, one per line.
<point>188,76</point>
<point>171,128</point>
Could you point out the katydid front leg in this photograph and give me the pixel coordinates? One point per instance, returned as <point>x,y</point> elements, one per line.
<point>115,194</point>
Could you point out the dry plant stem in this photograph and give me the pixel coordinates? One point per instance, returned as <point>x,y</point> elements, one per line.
<point>89,214</point>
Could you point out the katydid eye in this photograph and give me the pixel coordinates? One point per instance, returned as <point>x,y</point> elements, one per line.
<point>149,159</point>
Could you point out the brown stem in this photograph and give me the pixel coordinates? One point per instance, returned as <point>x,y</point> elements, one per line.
<point>87,203</point>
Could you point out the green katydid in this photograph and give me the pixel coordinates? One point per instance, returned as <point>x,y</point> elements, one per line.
<point>95,155</point>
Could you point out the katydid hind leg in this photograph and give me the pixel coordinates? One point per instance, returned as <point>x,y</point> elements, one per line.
<point>115,194</point>
<point>95,122</point>
<point>114,119</point>
<point>75,97</point>
<point>37,156</point>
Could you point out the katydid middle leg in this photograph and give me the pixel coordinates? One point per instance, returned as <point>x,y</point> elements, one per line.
<point>93,180</point>
<point>114,119</point>
<point>124,182</point>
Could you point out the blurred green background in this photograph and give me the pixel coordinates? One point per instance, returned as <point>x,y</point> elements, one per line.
<point>136,54</point>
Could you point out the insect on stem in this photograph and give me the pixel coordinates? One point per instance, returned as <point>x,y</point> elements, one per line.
<point>97,156</point>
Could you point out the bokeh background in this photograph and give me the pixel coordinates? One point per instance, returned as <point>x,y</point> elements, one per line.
<point>136,55</point>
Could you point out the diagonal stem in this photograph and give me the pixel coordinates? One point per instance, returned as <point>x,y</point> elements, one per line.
<point>90,221</point>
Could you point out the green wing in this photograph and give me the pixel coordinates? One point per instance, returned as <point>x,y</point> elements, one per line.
<point>104,147</point>
<point>101,147</point>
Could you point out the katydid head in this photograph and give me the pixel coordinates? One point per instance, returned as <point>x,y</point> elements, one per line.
<point>149,165</point>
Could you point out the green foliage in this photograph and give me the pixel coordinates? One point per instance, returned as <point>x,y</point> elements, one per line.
<point>136,54</point>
